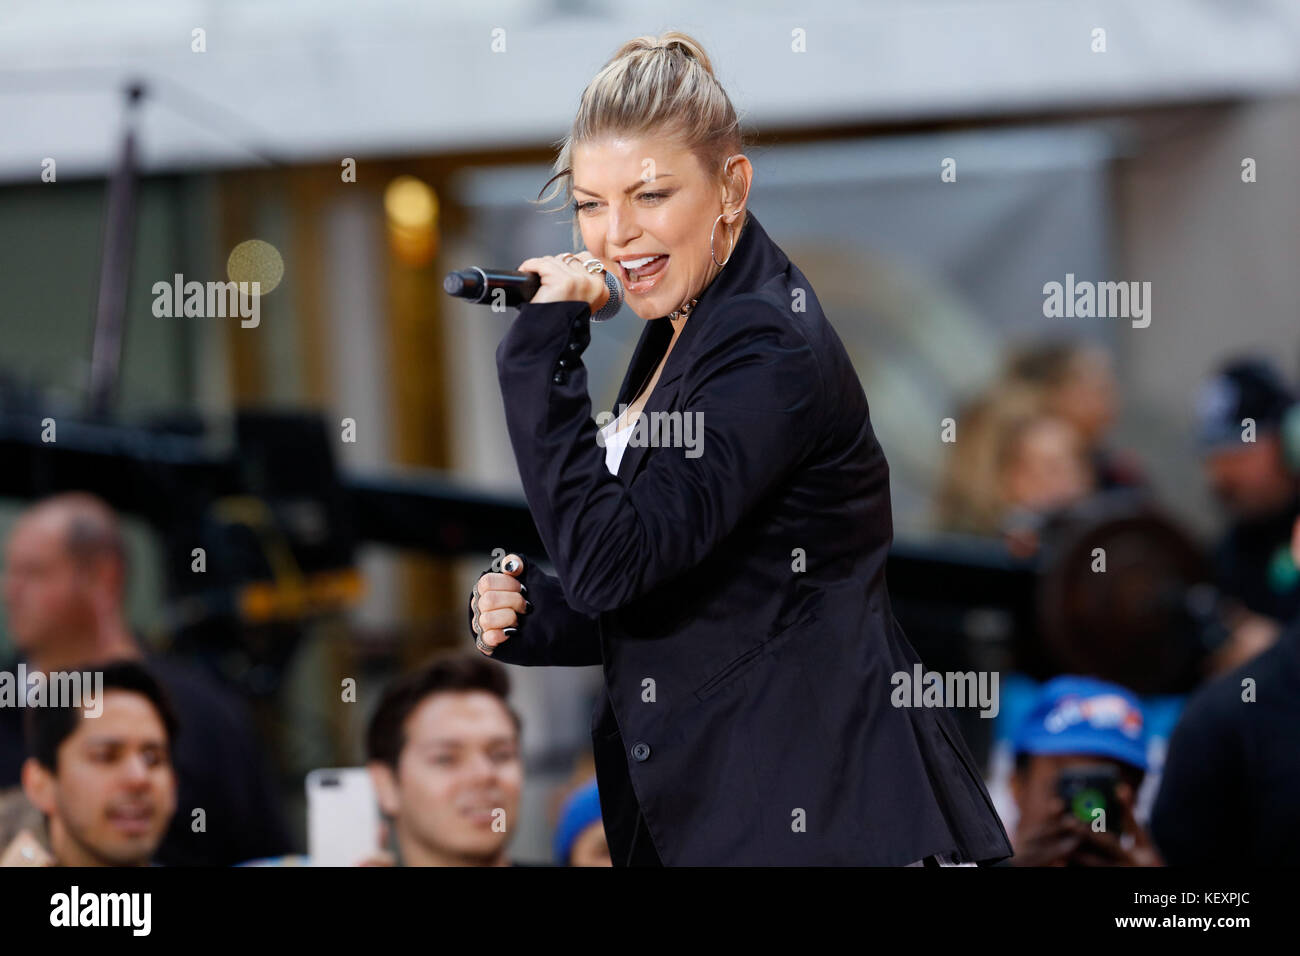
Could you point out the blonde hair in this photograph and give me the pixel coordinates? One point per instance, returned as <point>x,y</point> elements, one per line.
<point>992,425</point>
<point>661,85</point>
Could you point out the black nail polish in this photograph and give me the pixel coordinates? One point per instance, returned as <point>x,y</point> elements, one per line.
<point>523,589</point>
<point>511,566</point>
<point>528,605</point>
<point>510,631</point>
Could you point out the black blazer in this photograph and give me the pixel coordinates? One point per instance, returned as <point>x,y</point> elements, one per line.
<point>735,595</point>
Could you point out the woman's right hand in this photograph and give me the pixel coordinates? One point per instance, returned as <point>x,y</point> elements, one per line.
<point>497,604</point>
<point>564,278</point>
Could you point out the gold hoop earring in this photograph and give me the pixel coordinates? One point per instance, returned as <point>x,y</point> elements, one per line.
<point>713,255</point>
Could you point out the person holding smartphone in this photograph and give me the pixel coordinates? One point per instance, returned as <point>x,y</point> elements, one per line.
<point>1080,760</point>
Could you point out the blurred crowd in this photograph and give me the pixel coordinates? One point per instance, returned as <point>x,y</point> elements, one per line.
<point>172,772</point>
<point>1035,447</point>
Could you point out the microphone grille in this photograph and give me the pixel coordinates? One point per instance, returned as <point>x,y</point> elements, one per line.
<point>615,301</point>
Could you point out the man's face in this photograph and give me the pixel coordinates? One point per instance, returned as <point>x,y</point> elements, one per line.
<point>46,595</point>
<point>458,774</point>
<point>670,212</point>
<point>1250,479</point>
<point>113,791</point>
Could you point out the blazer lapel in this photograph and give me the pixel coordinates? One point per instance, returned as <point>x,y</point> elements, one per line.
<point>664,396</point>
<point>661,400</point>
<point>754,258</point>
<point>649,350</point>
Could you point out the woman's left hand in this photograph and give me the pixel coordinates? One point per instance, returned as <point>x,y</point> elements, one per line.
<point>567,280</point>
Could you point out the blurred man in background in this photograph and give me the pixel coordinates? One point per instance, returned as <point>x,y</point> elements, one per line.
<point>64,592</point>
<point>1242,410</point>
<point>105,784</point>
<point>1087,731</point>
<point>443,752</point>
<point>1230,792</point>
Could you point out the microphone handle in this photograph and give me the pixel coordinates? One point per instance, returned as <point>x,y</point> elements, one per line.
<point>518,288</point>
<point>478,285</point>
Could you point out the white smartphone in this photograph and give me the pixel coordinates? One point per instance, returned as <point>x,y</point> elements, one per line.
<point>342,817</point>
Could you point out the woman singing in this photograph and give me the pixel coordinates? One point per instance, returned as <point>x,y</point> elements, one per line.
<point>731,580</point>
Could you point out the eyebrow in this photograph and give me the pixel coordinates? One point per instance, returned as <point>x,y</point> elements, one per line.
<point>630,189</point>
<point>456,742</point>
<point>121,742</point>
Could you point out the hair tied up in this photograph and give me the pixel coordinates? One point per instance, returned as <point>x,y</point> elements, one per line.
<point>674,98</point>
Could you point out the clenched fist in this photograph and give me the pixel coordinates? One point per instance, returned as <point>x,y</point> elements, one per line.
<point>497,603</point>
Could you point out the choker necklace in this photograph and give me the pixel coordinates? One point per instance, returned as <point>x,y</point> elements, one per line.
<point>684,311</point>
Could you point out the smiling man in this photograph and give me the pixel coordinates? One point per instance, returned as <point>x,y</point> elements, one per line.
<point>443,752</point>
<point>105,784</point>
<point>65,574</point>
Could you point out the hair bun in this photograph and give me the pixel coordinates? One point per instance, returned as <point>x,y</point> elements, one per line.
<point>661,86</point>
<point>672,40</point>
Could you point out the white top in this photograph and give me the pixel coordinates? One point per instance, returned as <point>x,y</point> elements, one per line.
<point>615,443</point>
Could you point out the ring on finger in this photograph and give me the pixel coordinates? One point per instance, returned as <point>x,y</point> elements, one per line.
<point>568,257</point>
<point>478,642</point>
<point>594,266</point>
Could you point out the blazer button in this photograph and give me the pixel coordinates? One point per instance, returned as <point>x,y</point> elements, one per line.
<point>560,377</point>
<point>579,325</point>
<point>563,362</point>
<point>641,751</point>
<point>575,346</point>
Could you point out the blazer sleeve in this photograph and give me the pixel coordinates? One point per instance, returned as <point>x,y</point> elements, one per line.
<point>756,386</point>
<point>552,633</point>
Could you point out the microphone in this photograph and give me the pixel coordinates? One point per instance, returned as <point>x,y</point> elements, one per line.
<point>518,288</point>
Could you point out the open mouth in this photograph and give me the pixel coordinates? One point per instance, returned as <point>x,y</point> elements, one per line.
<point>479,813</point>
<point>134,820</point>
<point>639,275</point>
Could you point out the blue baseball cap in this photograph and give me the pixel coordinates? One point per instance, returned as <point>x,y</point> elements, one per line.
<point>580,811</point>
<point>1083,715</point>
